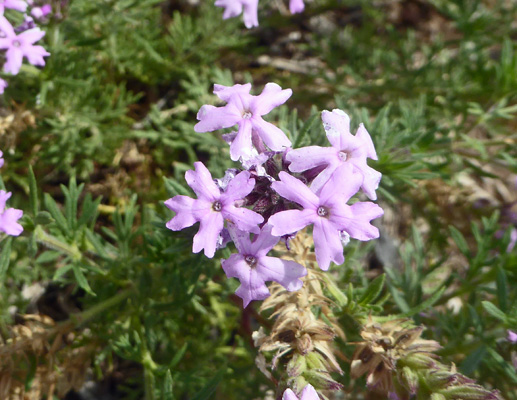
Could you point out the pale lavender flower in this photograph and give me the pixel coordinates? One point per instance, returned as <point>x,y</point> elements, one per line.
<point>233,8</point>
<point>41,12</point>
<point>246,111</point>
<point>253,267</point>
<point>19,46</point>
<point>9,217</point>
<point>512,336</point>
<point>346,149</point>
<point>296,6</point>
<point>18,5</point>
<point>327,212</point>
<point>212,208</point>
<point>308,393</point>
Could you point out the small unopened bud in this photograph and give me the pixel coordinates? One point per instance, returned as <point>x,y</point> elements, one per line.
<point>410,379</point>
<point>469,392</point>
<point>296,366</point>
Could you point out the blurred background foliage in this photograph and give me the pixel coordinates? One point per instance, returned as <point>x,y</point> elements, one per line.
<point>95,141</point>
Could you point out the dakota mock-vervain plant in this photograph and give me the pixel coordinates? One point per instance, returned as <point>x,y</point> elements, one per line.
<point>293,207</point>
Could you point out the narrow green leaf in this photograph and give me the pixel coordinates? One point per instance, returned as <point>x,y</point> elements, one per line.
<point>305,128</point>
<point>81,279</point>
<point>178,356</point>
<point>167,386</point>
<point>469,364</point>
<point>4,259</point>
<point>502,288</point>
<point>494,311</point>
<point>207,392</point>
<point>373,290</point>
<point>56,213</point>
<point>426,304</point>
<point>33,192</point>
<point>460,241</point>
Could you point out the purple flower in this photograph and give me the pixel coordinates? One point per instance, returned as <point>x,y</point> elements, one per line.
<point>9,216</point>
<point>21,45</point>
<point>253,267</point>
<point>18,5</point>
<point>296,6</point>
<point>41,12</point>
<point>346,149</point>
<point>246,111</point>
<point>308,393</point>
<point>327,212</point>
<point>512,336</point>
<point>212,208</point>
<point>233,8</point>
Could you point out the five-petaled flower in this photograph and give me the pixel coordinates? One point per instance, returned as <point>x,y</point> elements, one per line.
<point>253,267</point>
<point>9,217</point>
<point>328,212</point>
<point>212,208</point>
<point>246,111</point>
<point>308,393</point>
<point>19,46</point>
<point>346,149</point>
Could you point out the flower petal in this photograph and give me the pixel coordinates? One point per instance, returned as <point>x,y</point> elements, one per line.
<point>31,36</point>
<point>6,27</point>
<point>327,244</point>
<point>355,220</point>
<point>273,137</point>
<point>289,395</point>
<point>309,157</point>
<point>286,273</point>
<point>244,219</point>
<point>290,221</point>
<point>212,118</point>
<point>337,127</point>
<point>241,145</point>
<point>8,221</point>
<point>225,92</point>
<point>182,206</point>
<point>238,188</point>
<point>363,135</point>
<point>14,60</point>
<point>250,13</point>
<point>309,393</point>
<point>252,290</point>
<point>272,96</point>
<point>202,183</point>
<point>295,190</point>
<point>342,185</point>
<point>264,241</point>
<point>206,237</point>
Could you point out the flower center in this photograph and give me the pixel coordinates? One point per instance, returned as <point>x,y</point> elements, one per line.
<point>343,155</point>
<point>16,43</point>
<point>217,206</point>
<point>247,115</point>
<point>323,212</point>
<point>251,261</point>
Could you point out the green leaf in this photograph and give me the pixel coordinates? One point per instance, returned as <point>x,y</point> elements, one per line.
<point>373,290</point>
<point>427,303</point>
<point>167,386</point>
<point>460,241</point>
<point>178,356</point>
<point>502,288</point>
<point>305,128</point>
<point>209,389</point>
<point>472,361</point>
<point>33,192</point>
<point>56,213</point>
<point>494,311</point>
<point>81,279</point>
<point>4,259</point>
<point>43,218</point>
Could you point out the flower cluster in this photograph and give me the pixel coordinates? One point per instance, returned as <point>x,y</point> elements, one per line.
<point>286,189</point>
<point>8,216</point>
<point>249,9</point>
<point>20,42</point>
